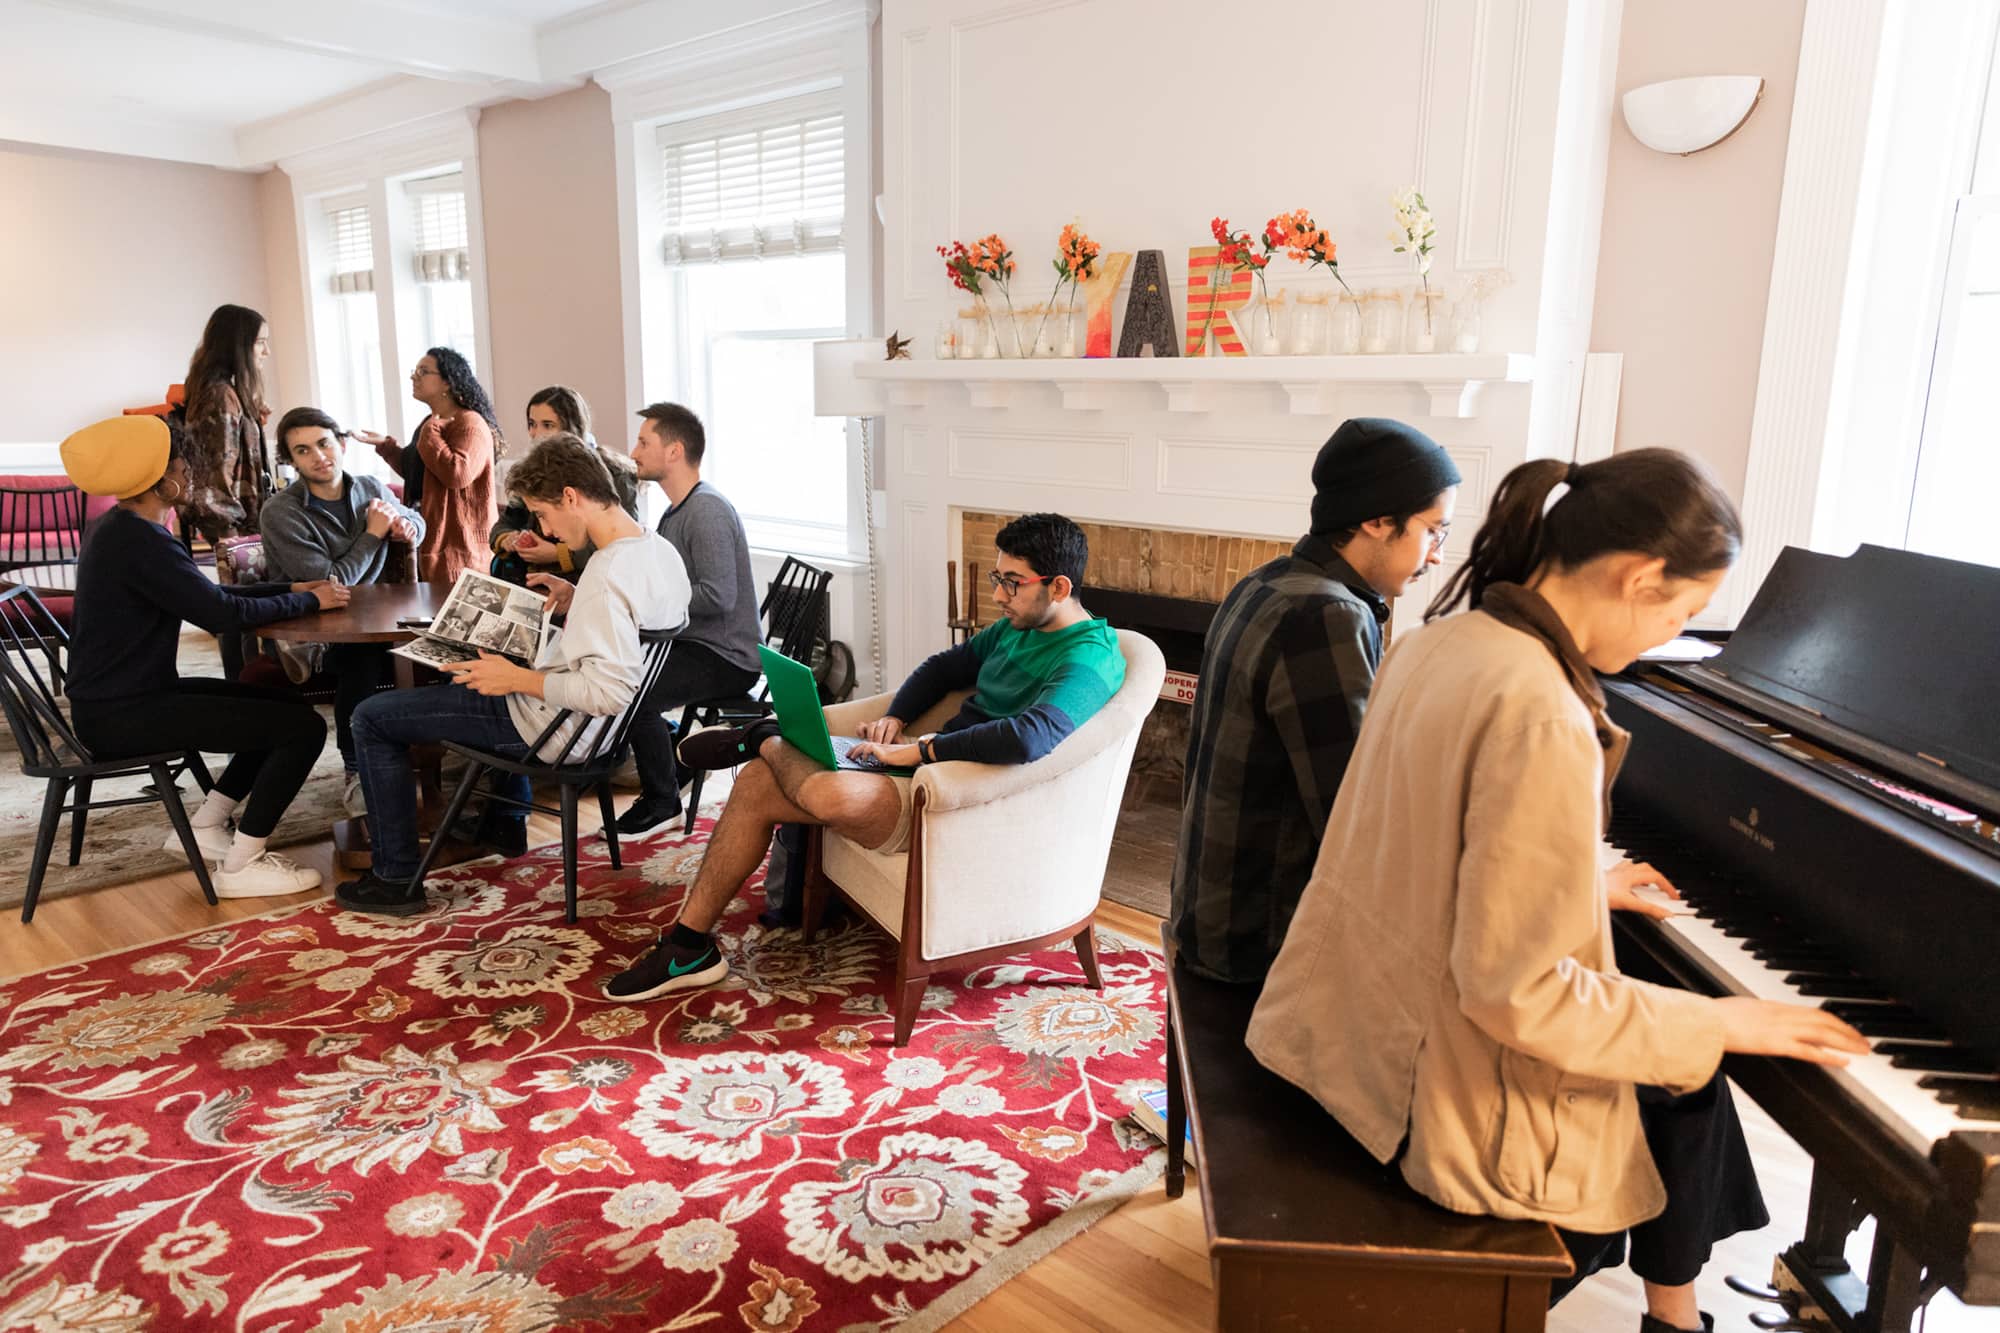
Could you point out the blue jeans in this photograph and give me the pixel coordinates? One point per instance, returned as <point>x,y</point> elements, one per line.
<point>386,725</point>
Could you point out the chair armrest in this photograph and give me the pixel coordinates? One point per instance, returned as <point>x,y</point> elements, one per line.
<point>960,784</point>
<point>846,719</point>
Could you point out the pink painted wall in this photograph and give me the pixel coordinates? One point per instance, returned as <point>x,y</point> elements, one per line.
<point>550,187</point>
<point>289,370</point>
<point>109,267</point>
<point>1685,265</point>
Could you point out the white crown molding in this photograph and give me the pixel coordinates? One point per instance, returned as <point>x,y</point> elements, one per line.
<point>452,136</point>
<point>1810,283</point>
<point>633,49</point>
<point>363,30</point>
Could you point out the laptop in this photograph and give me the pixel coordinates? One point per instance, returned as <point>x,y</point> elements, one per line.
<point>801,720</point>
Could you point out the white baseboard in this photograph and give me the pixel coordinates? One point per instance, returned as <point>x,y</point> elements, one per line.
<point>30,459</point>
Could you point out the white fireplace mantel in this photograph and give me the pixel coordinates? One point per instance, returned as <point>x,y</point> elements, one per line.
<point>1451,383</point>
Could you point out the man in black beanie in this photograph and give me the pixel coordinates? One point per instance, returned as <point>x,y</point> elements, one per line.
<point>1285,676</point>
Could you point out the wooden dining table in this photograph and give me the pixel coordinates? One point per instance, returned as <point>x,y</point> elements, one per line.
<point>385,614</point>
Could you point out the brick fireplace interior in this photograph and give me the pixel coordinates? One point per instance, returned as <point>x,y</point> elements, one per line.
<point>1164,584</point>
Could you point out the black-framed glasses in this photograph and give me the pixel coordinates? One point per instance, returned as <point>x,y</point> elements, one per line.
<point>1013,583</point>
<point>1437,536</point>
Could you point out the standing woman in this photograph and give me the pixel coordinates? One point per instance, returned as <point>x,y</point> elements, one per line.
<point>517,546</point>
<point>135,584</point>
<point>448,464</point>
<point>229,468</point>
<point>1447,988</point>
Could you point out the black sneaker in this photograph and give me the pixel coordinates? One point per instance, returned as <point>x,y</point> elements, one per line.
<point>384,897</point>
<point>646,815</point>
<point>668,968</point>
<point>1648,1324</point>
<point>724,747</point>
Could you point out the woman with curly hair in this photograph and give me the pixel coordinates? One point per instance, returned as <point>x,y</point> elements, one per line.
<point>517,546</point>
<point>230,470</point>
<point>448,466</point>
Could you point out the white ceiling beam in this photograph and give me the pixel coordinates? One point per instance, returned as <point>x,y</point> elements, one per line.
<point>382,106</point>
<point>582,45</point>
<point>363,30</point>
<point>76,127</point>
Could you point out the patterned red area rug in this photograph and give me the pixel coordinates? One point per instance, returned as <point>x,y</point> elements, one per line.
<point>318,1121</point>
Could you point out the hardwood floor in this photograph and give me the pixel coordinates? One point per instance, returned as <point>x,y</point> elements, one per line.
<point>1143,1267</point>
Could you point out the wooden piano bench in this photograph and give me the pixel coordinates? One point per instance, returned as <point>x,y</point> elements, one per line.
<point>1307,1231</point>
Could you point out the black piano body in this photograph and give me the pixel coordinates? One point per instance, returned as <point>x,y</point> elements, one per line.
<point>1827,789</point>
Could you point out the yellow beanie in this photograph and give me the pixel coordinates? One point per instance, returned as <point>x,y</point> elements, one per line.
<point>123,456</point>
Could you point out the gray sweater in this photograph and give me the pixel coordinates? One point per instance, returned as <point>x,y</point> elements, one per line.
<point>722,616</point>
<point>303,543</point>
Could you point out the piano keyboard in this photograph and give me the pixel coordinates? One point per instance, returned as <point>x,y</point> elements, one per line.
<point>1914,1078</point>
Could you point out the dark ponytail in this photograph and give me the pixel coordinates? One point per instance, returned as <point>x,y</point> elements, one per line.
<point>1656,502</point>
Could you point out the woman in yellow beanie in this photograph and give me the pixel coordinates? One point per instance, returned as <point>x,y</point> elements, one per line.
<point>135,585</point>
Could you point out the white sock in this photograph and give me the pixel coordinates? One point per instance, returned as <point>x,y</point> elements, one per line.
<point>215,810</point>
<point>243,851</point>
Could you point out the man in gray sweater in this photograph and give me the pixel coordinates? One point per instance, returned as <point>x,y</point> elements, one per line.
<point>716,655</point>
<point>332,525</point>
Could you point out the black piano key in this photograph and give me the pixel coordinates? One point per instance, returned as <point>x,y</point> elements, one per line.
<point>1887,1027</point>
<point>1873,1010</point>
<point>1975,1099</point>
<point>1933,1059</point>
<point>1820,985</point>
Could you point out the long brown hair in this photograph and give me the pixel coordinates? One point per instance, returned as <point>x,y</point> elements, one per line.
<point>572,413</point>
<point>228,355</point>
<point>1656,502</point>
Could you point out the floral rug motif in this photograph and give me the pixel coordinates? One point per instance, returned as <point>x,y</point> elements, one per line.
<point>322,1122</point>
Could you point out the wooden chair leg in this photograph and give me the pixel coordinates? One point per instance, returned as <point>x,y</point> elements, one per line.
<point>610,815</point>
<point>909,999</point>
<point>460,796</point>
<point>569,852</point>
<point>818,888</point>
<point>77,818</point>
<point>45,841</point>
<point>170,797</point>
<point>1086,954</point>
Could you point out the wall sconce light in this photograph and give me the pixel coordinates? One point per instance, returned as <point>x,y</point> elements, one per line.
<point>1687,115</point>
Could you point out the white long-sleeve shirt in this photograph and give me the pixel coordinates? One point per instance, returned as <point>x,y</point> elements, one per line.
<point>594,664</point>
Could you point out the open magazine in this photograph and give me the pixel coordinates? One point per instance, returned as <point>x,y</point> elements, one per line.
<point>482,613</point>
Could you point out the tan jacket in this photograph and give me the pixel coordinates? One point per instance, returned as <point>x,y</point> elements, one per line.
<point>1449,975</point>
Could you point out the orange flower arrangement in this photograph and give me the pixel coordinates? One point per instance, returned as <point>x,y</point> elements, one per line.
<point>1304,240</point>
<point>974,267</point>
<point>1075,262</point>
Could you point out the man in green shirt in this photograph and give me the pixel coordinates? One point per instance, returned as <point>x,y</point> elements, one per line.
<point>1037,674</point>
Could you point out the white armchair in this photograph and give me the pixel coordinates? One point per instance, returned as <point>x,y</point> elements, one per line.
<point>1003,858</point>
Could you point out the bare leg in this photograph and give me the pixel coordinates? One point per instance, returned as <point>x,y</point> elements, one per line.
<point>782,786</point>
<point>1675,1306</point>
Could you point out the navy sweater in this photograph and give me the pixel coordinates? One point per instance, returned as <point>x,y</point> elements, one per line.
<point>135,584</point>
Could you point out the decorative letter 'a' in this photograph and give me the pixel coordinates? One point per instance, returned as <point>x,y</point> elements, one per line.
<point>1213,291</point>
<point>1149,313</point>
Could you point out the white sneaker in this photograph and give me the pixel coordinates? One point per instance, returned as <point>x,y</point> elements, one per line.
<point>301,661</point>
<point>351,797</point>
<point>214,841</point>
<point>269,876</point>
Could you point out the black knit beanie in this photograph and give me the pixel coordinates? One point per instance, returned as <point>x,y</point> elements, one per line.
<point>1373,466</point>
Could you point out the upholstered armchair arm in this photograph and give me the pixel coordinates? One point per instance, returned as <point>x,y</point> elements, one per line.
<point>846,719</point>
<point>961,784</point>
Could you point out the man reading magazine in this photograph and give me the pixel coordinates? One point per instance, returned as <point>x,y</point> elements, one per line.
<point>591,668</point>
<point>482,614</point>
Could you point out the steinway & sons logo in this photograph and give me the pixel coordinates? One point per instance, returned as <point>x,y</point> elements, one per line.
<point>1748,828</point>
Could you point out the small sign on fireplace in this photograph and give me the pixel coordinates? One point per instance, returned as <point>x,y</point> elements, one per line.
<point>1179,686</point>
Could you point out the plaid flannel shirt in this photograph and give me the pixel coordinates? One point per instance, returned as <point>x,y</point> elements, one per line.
<point>1285,676</point>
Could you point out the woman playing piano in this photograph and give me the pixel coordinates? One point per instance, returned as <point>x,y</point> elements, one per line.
<point>1447,989</point>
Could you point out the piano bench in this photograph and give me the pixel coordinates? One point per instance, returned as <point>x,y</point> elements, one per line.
<point>1306,1230</point>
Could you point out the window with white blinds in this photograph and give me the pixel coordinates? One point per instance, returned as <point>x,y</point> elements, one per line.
<point>353,249</point>
<point>442,245</point>
<point>775,185</point>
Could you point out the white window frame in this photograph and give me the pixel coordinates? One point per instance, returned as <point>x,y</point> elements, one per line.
<point>757,65</point>
<point>1863,240</point>
<point>379,169</point>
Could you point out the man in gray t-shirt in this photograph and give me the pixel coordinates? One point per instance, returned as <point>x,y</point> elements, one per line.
<point>716,655</point>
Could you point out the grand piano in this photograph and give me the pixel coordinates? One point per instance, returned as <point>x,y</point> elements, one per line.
<point>1825,792</point>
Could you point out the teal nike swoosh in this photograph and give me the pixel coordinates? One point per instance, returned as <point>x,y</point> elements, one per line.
<point>676,970</point>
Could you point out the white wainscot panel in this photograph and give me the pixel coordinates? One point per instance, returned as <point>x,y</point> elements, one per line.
<point>1475,466</point>
<point>1270,470</point>
<point>916,451</point>
<point>1101,462</point>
